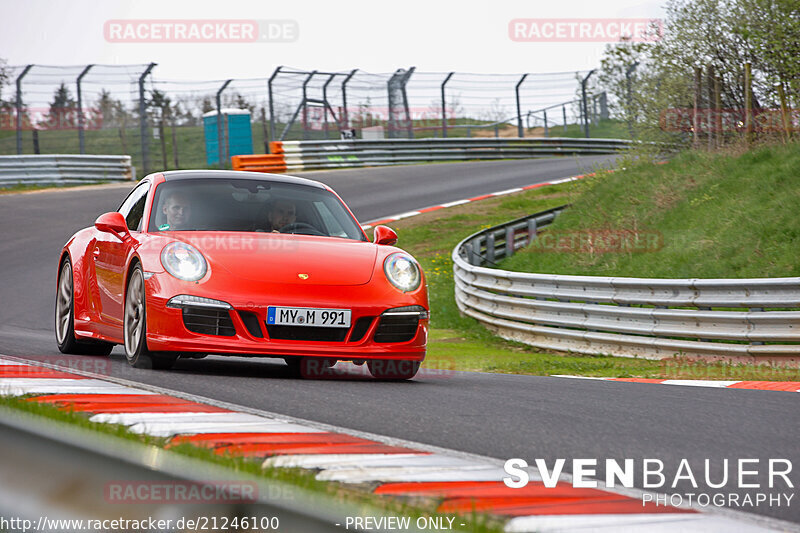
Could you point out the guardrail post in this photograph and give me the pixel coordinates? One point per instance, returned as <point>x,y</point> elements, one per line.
<point>585,103</point>
<point>490,247</point>
<point>509,241</point>
<point>444,112</point>
<point>271,105</point>
<point>19,108</point>
<point>344,114</point>
<point>221,134</point>
<point>143,120</point>
<point>81,140</point>
<point>532,230</point>
<point>520,129</point>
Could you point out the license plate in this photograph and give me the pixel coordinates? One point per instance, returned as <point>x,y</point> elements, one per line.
<point>308,316</point>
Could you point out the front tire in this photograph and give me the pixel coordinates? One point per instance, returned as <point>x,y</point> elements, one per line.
<point>135,328</point>
<point>65,321</point>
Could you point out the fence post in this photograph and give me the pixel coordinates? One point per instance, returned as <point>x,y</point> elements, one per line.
<point>520,129</point>
<point>325,104</point>
<point>629,96</point>
<point>81,140</point>
<point>220,129</point>
<point>784,110</point>
<point>271,107</point>
<point>748,103</point>
<point>410,123</point>
<point>696,114</point>
<point>585,103</point>
<point>19,108</point>
<point>305,103</point>
<point>718,114</point>
<point>546,134</point>
<point>143,120</point>
<point>444,112</point>
<point>564,116</point>
<point>344,114</point>
<point>709,110</point>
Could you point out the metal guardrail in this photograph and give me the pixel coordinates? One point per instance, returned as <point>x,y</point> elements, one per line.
<point>64,168</point>
<point>634,317</point>
<point>310,155</point>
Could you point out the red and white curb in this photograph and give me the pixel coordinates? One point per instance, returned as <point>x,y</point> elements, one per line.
<point>783,386</point>
<point>462,483</point>
<point>410,214</point>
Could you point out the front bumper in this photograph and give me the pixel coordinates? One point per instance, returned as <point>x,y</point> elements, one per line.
<point>166,330</point>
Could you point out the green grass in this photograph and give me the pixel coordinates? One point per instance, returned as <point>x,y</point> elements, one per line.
<point>303,478</point>
<point>461,343</point>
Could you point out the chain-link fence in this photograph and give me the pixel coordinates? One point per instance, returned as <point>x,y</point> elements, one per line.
<point>162,123</point>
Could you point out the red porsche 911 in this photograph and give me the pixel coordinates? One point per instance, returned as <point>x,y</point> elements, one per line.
<point>239,263</point>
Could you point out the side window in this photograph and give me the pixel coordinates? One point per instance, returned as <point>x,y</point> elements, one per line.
<point>133,206</point>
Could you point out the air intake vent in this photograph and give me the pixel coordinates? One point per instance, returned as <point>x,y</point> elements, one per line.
<point>208,321</point>
<point>399,328</point>
<point>251,322</point>
<point>361,327</point>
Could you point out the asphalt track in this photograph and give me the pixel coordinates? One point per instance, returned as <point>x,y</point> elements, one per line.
<point>500,416</point>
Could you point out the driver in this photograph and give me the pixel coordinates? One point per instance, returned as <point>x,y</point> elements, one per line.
<point>178,211</point>
<point>281,213</point>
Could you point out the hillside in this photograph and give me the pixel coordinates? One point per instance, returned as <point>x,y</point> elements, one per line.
<point>701,215</point>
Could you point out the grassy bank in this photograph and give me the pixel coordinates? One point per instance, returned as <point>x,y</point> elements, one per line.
<point>702,215</point>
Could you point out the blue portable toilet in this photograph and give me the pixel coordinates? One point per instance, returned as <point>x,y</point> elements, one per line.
<point>237,134</point>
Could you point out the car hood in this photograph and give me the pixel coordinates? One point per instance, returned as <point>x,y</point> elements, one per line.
<point>291,259</point>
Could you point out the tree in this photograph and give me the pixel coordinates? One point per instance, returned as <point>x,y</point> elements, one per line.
<point>62,114</point>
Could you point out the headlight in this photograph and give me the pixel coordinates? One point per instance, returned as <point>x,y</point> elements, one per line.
<point>402,271</point>
<point>183,261</point>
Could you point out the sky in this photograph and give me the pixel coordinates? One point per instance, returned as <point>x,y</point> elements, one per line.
<point>375,36</point>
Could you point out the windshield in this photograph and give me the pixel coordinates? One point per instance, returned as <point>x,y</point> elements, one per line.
<point>223,204</point>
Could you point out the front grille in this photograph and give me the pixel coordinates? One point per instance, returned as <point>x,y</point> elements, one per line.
<point>251,322</point>
<point>400,328</point>
<point>361,327</point>
<point>307,333</point>
<point>208,321</point>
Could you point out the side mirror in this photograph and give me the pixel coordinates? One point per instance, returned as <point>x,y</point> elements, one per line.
<point>384,235</point>
<point>114,223</point>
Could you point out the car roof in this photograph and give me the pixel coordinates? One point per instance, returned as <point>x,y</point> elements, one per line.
<point>174,175</point>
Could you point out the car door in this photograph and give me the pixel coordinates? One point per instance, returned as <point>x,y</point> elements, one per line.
<point>110,254</point>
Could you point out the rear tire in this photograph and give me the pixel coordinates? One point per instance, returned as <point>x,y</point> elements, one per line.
<point>65,319</point>
<point>135,328</point>
<point>393,369</point>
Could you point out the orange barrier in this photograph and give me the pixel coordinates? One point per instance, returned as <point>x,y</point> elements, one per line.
<point>260,162</point>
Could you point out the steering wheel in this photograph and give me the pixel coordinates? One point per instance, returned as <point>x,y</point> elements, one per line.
<point>295,226</point>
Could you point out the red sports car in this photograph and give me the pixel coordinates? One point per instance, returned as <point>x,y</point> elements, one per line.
<point>239,263</point>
